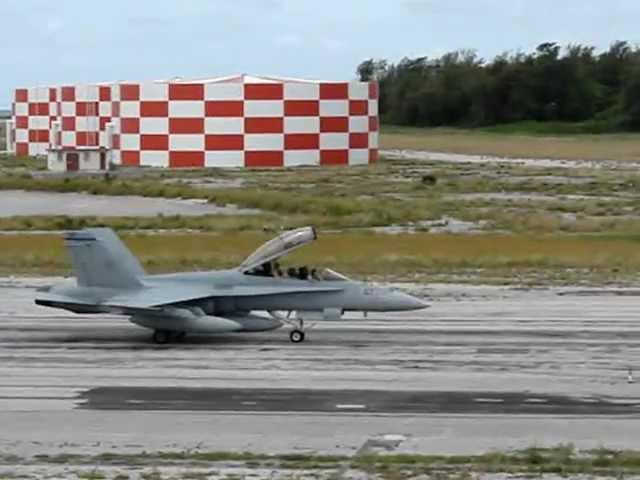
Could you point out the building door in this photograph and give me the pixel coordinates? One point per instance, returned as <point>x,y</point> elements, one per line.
<point>103,160</point>
<point>73,162</point>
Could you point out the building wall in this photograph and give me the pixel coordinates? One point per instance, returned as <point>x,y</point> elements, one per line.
<point>217,124</point>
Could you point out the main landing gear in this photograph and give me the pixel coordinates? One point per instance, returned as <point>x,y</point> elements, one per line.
<point>162,337</point>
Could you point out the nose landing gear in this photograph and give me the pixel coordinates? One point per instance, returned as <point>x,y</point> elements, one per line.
<point>296,336</point>
<point>297,324</point>
<point>162,337</point>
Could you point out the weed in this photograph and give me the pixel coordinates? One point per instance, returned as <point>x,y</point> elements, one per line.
<point>151,475</point>
<point>63,458</point>
<point>23,162</point>
<point>91,475</point>
<point>562,460</point>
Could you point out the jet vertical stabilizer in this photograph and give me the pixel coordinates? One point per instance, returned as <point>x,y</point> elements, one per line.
<point>100,259</point>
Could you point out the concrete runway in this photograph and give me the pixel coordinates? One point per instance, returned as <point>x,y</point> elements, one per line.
<point>484,368</point>
<point>21,203</point>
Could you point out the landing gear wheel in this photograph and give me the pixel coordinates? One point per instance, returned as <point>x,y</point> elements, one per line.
<point>296,336</point>
<point>161,337</point>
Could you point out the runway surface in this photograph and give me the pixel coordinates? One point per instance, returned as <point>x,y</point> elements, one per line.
<point>483,368</point>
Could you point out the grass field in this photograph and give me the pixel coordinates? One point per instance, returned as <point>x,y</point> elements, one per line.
<point>537,225</point>
<point>495,258</point>
<point>624,146</point>
<point>562,460</point>
<point>503,198</point>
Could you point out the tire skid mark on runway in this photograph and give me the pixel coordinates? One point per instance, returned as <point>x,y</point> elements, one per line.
<point>372,401</point>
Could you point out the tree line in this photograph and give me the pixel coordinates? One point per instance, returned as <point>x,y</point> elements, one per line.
<point>551,84</point>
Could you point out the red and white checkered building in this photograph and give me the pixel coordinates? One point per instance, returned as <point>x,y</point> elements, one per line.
<point>240,121</point>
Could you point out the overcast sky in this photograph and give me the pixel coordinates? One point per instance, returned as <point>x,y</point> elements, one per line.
<point>74,41</point>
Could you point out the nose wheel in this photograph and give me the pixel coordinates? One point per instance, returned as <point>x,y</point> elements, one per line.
<point>161,337</point>
<point>297,325</point>
<point>296,336</point>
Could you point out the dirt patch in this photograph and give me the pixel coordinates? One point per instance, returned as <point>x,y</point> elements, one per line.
<point>208,182</point>
<point>548,179</point>
<point>525,197</point>
<point>441,225</point>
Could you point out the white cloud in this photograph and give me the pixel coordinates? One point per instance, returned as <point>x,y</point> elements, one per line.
<point>54,25</point>
<point>332,44</point>
<point>288,40</point>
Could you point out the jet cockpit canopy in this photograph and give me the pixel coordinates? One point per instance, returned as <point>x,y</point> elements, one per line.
<point>278,247</point>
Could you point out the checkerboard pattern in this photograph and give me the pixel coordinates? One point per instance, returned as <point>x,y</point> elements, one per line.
<point>218,123</point>
<point>82,113</point>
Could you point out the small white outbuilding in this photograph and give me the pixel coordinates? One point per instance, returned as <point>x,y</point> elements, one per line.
<point>92,157</point>
<point>77,158</point>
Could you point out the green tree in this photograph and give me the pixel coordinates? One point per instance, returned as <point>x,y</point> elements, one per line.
<point>551,83</point>
<point>631,100</point>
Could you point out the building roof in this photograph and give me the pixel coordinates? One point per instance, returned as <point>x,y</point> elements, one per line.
<point>5,114</point>
<point>77,149</point>
<point>242,78</point>
<point>245,78</point>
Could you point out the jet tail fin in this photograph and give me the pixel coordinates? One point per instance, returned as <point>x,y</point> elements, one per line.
<point>100,259</point>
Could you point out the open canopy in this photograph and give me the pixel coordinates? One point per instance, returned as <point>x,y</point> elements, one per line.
<point>278,247</point>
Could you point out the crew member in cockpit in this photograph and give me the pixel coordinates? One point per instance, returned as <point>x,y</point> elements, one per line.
<point>266,270</point>
<point>277,271</point>
<point>303,273</point>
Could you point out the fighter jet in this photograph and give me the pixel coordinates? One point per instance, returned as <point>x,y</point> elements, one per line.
<point>109,279</point>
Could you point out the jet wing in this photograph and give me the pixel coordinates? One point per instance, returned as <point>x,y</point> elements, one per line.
<point>170,294</point>
<point>77,305</point>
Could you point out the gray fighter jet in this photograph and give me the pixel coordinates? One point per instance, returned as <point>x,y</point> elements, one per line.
<point>111,280</point>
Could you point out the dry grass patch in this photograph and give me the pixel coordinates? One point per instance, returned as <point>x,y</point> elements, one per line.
<point>572,147</point>
<point>359,254</point>
<point>22,163</point>
<point>562,460</point>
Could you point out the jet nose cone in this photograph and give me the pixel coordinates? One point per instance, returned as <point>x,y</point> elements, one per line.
<point>404,301</point>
